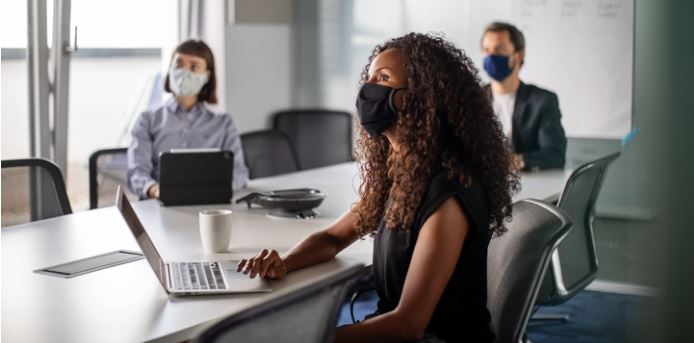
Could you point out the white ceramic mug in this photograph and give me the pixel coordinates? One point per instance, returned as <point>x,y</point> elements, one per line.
<point>215,230</point>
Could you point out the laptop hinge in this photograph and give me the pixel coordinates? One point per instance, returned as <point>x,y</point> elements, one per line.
<point>167,277</point>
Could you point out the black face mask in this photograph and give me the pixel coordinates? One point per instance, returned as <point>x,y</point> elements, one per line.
<point>376,110</point>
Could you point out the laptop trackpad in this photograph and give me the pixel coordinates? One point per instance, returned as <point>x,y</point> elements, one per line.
<point>241,282</point>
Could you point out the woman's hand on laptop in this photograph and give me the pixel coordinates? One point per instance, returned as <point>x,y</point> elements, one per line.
<point>268,264</point>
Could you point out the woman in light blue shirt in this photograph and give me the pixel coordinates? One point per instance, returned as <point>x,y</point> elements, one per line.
<point>183,122</point>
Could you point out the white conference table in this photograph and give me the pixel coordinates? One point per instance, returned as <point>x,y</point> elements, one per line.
<point>126,303</point>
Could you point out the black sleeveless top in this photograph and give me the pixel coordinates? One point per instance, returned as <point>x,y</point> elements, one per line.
<point>461,314</point>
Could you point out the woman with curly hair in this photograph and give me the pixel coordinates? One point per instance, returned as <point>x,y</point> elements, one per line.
<point>436,186</point>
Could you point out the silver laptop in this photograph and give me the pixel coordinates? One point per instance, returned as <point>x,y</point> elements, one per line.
<point>188,278</point>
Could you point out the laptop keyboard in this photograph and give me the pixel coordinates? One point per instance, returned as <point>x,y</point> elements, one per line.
<point>197,276</point>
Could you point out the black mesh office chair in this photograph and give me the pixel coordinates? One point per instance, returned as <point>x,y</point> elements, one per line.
<point>306,315</point>
<point>267,153</point>
<point>516,264</point>
<point>319,137</point>
<point>575,263</point>
<point>108,168</point>
<point>32,189</point>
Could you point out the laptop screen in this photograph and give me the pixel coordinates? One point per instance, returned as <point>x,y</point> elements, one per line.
<point>141,236</point>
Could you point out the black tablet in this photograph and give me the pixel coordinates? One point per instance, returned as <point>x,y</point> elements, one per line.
<point>195,176</point>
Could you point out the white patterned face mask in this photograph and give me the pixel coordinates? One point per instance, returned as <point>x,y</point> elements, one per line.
<point>184,82</point>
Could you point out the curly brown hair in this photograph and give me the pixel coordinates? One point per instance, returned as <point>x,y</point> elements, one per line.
<point>446,125</point>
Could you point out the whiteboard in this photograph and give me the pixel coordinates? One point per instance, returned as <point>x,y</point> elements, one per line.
<point>583,51</point>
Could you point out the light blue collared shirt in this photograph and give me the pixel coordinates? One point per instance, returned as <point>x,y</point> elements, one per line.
<point>171,127</point>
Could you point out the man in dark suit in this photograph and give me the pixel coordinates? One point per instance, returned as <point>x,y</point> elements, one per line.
<point>529,114</point>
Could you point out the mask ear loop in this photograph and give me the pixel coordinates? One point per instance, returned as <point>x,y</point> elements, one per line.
<point>390,99</point>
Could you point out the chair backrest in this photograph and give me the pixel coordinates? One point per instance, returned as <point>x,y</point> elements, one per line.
<point>268,153</point>
<point>516,263</point>
<point>319,137</point>
<point>575,263</point>
<point>306,315</point>
<point>108,168</point>
<point>32,189</point>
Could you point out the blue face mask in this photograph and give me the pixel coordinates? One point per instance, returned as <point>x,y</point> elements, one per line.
<point>497,67</point>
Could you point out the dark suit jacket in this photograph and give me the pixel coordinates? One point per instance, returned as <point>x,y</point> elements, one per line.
<point>536,131</point>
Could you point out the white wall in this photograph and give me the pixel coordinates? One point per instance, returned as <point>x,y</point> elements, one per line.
<point>462,21</point>
<point>212,32</point>
<point>259,73</point>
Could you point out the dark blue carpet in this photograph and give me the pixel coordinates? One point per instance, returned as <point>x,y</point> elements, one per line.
<point>596,317</point>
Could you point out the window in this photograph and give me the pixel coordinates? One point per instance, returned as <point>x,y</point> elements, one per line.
<point>112,76</point>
